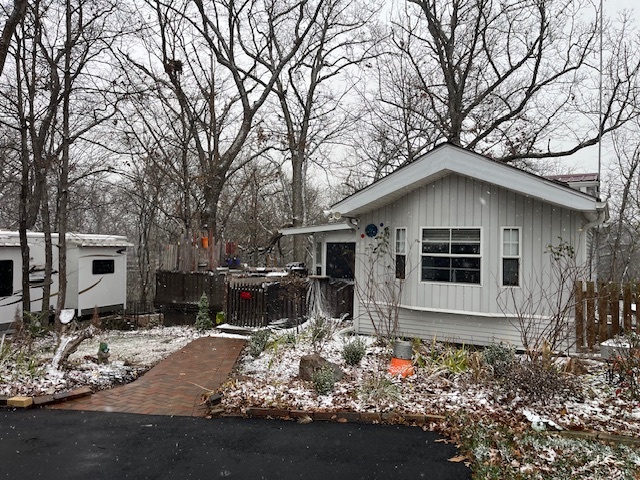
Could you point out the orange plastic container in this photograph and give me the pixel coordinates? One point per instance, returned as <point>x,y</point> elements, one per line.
<point>400,366</point>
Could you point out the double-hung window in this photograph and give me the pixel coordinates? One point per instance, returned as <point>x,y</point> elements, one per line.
<point>510,257</point>
<point>401,252</point>
<point>451,255</point>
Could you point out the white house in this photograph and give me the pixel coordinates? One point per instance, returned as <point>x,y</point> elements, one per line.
<point>468,244</point>
<point>96,273</point>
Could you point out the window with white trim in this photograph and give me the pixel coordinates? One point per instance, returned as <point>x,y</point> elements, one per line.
<point>510,257</point>
<point>401,252</point>
<point>451,255</point>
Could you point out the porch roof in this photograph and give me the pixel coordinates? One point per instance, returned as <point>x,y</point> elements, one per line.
<point>329,227</point>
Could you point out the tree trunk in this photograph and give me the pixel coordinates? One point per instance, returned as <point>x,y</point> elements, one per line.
<point>63,188</point>
<point>297,207</point>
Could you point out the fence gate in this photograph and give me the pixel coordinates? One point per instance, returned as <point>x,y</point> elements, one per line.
<point>604,310</point>
<point>256,305</point>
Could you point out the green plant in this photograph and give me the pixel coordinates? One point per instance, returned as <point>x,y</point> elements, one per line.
<point>377,388</point>
<point>258,342</point>
<point>353,352</point>
<point>203,318</point>
<point>323,380</point>
<point>220,318</point>
<point>499,358</point>
<point>453,359</point>
<point>320,331</point>
<point>35,323</point>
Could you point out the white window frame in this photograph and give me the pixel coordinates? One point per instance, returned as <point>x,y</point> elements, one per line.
<point>403,252</point>
<point>450,255</point>
<point>319,254</point>
<point>504,256</point>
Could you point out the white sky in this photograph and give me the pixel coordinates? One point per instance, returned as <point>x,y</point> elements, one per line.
<point>587,159</point>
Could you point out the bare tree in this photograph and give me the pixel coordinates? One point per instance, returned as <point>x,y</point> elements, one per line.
<point>213,55</point>
<point>620,246</point>
<point>60,92</point>
<point>13,20</point>
<point>507,79</point>
<point>314,112</point>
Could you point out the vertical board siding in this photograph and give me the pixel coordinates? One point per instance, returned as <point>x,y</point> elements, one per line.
<point>456,201</point>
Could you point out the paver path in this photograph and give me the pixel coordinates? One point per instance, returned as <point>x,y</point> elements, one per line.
<point>174,386</point>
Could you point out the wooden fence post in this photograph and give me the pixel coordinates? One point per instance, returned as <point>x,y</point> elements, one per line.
<point>603,311</point>
<point>614,308</point>
<point>579,316</point>
<point>591,315</point>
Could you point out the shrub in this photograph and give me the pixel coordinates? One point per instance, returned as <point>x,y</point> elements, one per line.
<point>377,388</point>
<point>354,351</point>
<point>323,380</point>
<point>453,359</point>
<point>626,366</point>
<point>258,342</point>
<point>499,358</point>
<point>536,381</point>
<point>203,319</point>
<point>321,331</point>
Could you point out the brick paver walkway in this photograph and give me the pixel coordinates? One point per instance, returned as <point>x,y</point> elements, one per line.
<point>174,386</point>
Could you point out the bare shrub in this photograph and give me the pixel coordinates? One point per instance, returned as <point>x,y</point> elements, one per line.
<point>534,381</point>
<point>542,309</point>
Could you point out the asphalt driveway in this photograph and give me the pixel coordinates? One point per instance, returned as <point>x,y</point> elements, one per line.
<point>57,444</point>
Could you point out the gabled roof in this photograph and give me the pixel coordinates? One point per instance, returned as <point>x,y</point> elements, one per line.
<point>448,159</point>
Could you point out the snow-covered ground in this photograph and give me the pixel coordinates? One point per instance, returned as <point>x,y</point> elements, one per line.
<point>271,380</point>
<point>131,353</point>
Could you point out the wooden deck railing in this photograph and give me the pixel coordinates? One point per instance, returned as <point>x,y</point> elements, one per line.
<point>604,310</point>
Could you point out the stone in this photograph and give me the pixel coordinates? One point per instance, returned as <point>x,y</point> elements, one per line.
<point>313,362</point>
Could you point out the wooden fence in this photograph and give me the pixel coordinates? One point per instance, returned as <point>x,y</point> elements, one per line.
<point>250,301</point>
<point>256,305</point>
<point>603,311</point>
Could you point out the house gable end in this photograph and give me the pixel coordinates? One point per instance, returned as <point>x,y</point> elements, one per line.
<point>449,159</point>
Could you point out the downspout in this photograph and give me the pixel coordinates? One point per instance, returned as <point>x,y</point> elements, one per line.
<point>603,216</point>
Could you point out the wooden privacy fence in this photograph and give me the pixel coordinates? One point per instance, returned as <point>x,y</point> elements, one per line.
<point>250,301</point>
<point>604,310</point>
<point>256,305</point>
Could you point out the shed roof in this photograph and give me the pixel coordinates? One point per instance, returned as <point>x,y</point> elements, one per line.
<point>448,159</point>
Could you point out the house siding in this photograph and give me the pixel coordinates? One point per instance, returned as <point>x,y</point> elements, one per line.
<point>458,201</point>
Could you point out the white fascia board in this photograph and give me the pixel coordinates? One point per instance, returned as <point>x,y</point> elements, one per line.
<point>450,159</point>
<point>330,227</point>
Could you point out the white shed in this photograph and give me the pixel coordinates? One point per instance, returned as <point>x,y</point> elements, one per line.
<point>467,239</point>
<point>96,273</point>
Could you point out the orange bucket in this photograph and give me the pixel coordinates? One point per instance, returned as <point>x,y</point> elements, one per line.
<point>400,366</point>
<point>205,242</point>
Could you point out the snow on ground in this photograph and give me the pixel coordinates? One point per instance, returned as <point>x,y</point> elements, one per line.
<point>27,372</point>
<point>271,380</point>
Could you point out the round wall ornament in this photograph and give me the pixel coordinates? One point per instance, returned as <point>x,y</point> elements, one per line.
<point>371,230</point>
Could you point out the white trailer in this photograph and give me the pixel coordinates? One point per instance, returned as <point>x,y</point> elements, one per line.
<point>96,273</point>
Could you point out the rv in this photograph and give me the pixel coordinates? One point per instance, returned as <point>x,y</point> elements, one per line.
<point>96,274</point>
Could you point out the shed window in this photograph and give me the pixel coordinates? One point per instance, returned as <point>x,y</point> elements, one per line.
<point>451,255</point>
<point>103,267</point>
<point>6,278</point>
<point>401,252</point>
<point>510,257</point>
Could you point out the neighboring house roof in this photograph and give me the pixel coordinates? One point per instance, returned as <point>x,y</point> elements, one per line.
<point>574,177</point>
<point>448,159</point>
